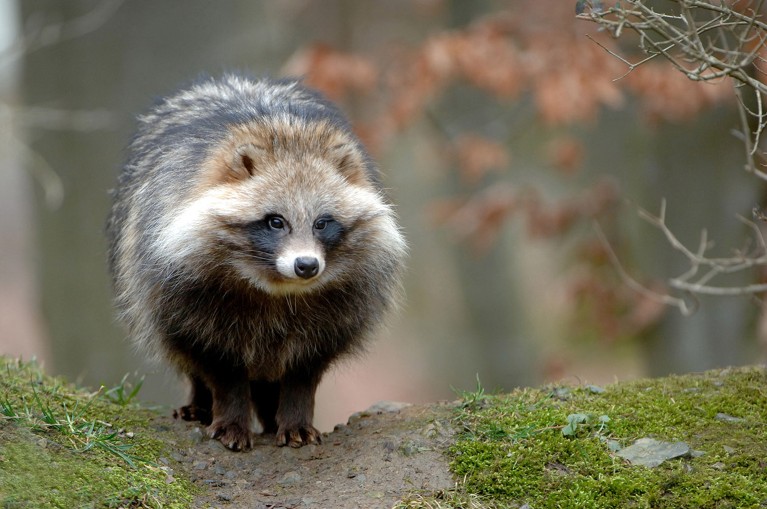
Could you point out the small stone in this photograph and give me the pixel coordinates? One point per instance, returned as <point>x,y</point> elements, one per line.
<point>130,434</point>
<point>225,497</point>
<point>727,418</point>
<point>385,407</point>
<point>360,478</point>
<point>718,466</point>
<point>595,389</point>
<point>170,479</point>
<point>230,474</point>
<point>200,465</point>
<point>338,428</point>
<point>196,435</point>
<point>410,448</point>
<point>728,449</point>
<point>289,478</point>
<point>163,460</point>
<point>650,453</point>
<point>177,456</point>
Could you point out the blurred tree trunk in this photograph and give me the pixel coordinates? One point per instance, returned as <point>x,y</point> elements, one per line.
<point>76,298</point>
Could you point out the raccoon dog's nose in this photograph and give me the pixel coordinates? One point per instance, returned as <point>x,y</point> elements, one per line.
<point>306,266</point>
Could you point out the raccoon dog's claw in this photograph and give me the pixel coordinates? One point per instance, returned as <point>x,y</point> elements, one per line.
<point>297,437</point>
<point>231,435</point>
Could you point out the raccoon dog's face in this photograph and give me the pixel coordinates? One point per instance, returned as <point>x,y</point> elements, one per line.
<point>287,207</point>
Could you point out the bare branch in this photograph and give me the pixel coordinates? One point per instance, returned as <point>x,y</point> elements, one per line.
<point>705,40</point>
<point>713,267</point>
<point>638,287</point>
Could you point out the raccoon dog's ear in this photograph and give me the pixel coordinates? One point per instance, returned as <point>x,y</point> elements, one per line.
<point>349,162</point>
<point>247,158</point>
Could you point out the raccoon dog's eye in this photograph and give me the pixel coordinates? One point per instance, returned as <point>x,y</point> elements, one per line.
<point>275,222</point>
<point>320,224</point>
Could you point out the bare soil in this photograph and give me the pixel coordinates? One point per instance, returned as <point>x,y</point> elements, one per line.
<point>373,461</point>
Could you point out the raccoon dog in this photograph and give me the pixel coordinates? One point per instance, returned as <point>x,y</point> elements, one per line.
<point>250,245</point>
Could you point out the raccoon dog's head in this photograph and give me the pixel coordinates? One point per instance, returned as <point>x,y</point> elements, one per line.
<point>289,206</point>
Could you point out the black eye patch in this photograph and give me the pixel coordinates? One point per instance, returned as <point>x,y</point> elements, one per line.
<point>263,235</point>
<point>328,231</point>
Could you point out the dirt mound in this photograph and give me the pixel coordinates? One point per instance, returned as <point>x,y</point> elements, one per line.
<point>373,461</point>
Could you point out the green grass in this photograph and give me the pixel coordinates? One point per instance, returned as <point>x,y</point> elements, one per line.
<point>62,447</point>
<point>553,447</point>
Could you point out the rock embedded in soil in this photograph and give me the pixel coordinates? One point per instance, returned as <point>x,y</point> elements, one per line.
<point>649,452</point>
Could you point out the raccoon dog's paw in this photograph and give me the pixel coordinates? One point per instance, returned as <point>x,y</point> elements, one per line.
<point>298,436</point>
<point>231,434</point>
<point>193,413</point>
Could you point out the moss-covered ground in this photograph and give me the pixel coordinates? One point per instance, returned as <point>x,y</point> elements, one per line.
<point>553,447</point>
<point>62,447</point>
<point>521,448</point>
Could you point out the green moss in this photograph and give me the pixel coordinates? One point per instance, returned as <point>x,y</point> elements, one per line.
<point>62,447</point>
<point>512,448</point>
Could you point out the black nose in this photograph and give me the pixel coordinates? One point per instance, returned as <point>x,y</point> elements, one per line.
<point>306,266</point>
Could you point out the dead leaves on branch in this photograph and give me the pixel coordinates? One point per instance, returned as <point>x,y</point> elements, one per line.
<point>506,55</point>
<point>478,220</point>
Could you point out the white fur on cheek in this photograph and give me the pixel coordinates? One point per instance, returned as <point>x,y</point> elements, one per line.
<point>185,233</point>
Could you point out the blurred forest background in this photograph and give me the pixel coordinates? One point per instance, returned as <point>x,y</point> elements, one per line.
<point>503,137</point>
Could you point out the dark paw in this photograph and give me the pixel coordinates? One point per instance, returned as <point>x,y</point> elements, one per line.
<point>193,413</point>
<point>232,435</point>
<point>298,436</point>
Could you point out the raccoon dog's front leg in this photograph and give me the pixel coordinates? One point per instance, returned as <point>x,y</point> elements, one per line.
<point>296,409</point>
<point>232,409</point>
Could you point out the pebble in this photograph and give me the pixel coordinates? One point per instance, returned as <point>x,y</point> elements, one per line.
<point>650,453</point>
<point>727,418</point>
<point>289,478</point>
<point>177,456</point>
<point>200,465</point>
<point>196,435</point>
<point>381,407</point>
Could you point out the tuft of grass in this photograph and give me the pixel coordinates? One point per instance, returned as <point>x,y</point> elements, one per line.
<point>125,392</point>
<point>473,398</point>
<point>61,446</point>
<point>536,447</point>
